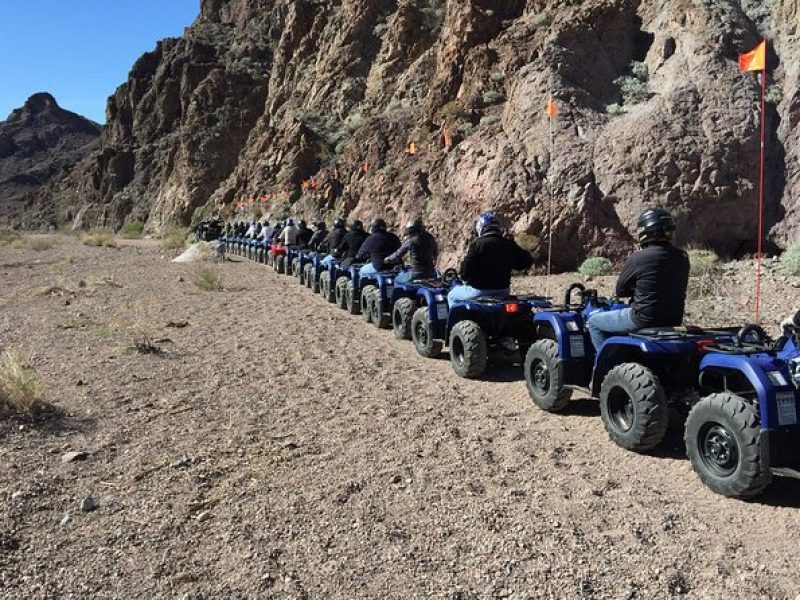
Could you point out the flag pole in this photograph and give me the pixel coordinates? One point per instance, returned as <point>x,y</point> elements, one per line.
<point>550,208</point>
<point>761,190</point>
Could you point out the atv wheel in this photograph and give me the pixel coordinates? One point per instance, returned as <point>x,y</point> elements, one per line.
<point>280,264</point>
<point>422,335</point>
<point>329,293</point>
<point>544,377</point>
<point>307,275</point>
<point>296,268</point>
<point>352,300</point>
<point>325,284</point>
<point>469,352</point>
<point>722,442</point>
<point>366,297</point>
<point>314,281</point>
<point>341,292</point>
<point>402,314</point>
<point>633,407</point>
<point>380,319</point>
<point>270,259</point>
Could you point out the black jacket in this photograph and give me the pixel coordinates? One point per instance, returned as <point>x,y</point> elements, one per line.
<point>318,239</point>
<point>490,260</point>
<point>656,277</point>
<point>378,247</point>
<point>351,244</point>
<point>304,236</point>
<point>334,239</point>
<point>423,251</point>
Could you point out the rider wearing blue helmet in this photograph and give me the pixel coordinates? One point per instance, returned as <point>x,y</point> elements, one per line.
<point>486,270</point>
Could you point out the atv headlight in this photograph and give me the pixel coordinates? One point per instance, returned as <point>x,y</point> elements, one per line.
<point>439,298</point>
<point>777,378</point>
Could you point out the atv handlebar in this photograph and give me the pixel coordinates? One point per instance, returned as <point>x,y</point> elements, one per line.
<point>449,276</point>
<point>572,288</point>
<point>748,332</point>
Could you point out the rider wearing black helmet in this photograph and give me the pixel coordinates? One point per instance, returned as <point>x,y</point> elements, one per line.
<point>422,249</point>
<point>318,238</point>
<point>655,277</point>
<point>333,240</point>
<point>303,234</point>
<point>351,243</point>
<point>377,247</point>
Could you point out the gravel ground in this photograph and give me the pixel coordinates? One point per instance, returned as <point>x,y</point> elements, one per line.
<point>281,448</point>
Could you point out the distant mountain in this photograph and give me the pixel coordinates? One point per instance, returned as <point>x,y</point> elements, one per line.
<point>37,142</point>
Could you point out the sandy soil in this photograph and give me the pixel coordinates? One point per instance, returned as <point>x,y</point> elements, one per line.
<point>281,448</point>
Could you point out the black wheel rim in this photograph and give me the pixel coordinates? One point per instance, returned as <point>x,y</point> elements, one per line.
<point>421,332</point>
<point>718,449</point>
<point>620,409</point>
<point>458,350</point>
<point>540,377</point>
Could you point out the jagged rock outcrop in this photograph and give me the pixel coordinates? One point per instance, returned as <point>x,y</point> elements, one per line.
<point>260,95</point>
<point>37,142</point>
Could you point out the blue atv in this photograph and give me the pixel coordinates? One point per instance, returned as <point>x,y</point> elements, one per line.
<point>745,429</point>
<point>344,299</point>
<point>475,328</point>
<point>408,297</point>
<point>378,298</point>
<point>641,379</point>
<point>327,281</point>
<point>299,264</point>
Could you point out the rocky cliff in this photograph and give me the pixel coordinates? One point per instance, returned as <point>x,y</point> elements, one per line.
<point>37,142</point>
<point>310,107</point>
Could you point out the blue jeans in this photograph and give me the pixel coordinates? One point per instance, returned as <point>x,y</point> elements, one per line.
<point>367,270</point>
<point>467,292</point>
<point>326,262</point>
<point>603,325</point>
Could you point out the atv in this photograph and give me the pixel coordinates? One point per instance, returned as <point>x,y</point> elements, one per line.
<point>642,379</point>
<point>299,263</point>
<point>409,296</point>
<point>278,254</point>
<point>475,328</point>
<point>745,428</point>
<point>327,281</point>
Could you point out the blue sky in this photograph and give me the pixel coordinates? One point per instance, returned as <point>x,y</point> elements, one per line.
<point>80,50</point>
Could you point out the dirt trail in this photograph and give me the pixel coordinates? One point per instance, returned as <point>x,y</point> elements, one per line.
<point>282,448</point>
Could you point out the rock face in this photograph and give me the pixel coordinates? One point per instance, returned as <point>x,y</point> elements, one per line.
<point>262,95</point>
<point>37,142</point>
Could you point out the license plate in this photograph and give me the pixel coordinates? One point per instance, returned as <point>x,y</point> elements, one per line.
<point>389,290</point>
<point>576,347</point>
<point>442,311</point>
<point>787,409</point>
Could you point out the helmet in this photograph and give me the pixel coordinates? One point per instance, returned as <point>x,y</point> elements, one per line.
<point>290,223</point>
<point>486,222</point>
<point>339,222</point>
<point>302,224</point>
<point>358,225</point>
<point>320,225</point>
<point>655,225</point>
<point>415,226</point>
<point>377,224</point>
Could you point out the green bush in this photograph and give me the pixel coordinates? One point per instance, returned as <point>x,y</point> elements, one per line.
<point>540,20</point>
<point>20,385</point>
<point>774,94</point>
<point>132,230</point>
<point>633,90</point>
<point>595,266</point>
<point>208,279</point>
<point>173,239</point>
<point>615,109</point>
<point>702,261</point>
<point>492,97</point>
<point>466,129</point>
<point>790,260</point>
<point>101,238</point>
<point>452,110</point>
<point>640,71</point>
<point>489,120</point>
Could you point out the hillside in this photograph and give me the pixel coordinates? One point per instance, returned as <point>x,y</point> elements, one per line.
<point>261,95</point>
<point>37,142</point>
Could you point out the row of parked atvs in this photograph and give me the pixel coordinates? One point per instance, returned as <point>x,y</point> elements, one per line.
<point>734,389</point>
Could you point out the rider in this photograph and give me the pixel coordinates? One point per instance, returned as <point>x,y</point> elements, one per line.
<point>267,231</point>
<point>318,238</point>
<point>303,234</point>
<point>423,251</point>
<point>377,247</point>
<point>486,270</point>
<point>655,277</point>
<point>333,240</point>
<point>289,233</point>
<point>350,245</point>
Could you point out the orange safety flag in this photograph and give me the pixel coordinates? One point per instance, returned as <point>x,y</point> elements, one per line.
<point>365,166</point>
<point>551,108</point>
<point>755,60</point>
<point>313,183</point>
<point>412,148</point>
<point>448,139</point>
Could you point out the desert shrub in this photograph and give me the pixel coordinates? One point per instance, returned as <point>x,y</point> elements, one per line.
<point>790,260</point>
<point>615,109</point>
<point>8,237</point>
<point>466,129</point>
<point>527,241</point>
<point>497,76</point>
<point>640,71</point>
<point>489,120</point>
<point>34,242</point>
<point>595,266</point>
<point>633,90</point>
<point>540,20</point>
<point>208,279</point>
<point>452,110</point>
<point>492,97</point>
<point>774,94</point>
<point>20,386</point>
<point>702,261</point>
<point>99,237</point>
<point>132,230</point>
<point>354,121</point>
<point>173,239</point>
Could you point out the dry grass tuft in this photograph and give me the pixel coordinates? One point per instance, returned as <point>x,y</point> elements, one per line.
<point>208,279</point>
<point>31,242</point>
<point>173,239</point>
<point>702,261</point>
<point>101,238</point>
<point>20,386</point>
<point>8,237</point>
